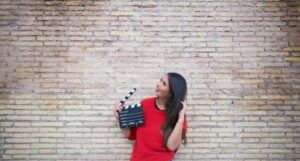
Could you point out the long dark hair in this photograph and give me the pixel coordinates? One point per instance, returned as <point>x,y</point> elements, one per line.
<point>177,91</point>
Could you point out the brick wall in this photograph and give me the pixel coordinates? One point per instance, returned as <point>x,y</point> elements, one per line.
<point>64,64</point>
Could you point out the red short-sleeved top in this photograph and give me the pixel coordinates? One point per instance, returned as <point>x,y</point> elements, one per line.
<point>149,140</point>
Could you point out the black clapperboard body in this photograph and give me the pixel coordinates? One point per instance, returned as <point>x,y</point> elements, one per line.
<point>131,116</point>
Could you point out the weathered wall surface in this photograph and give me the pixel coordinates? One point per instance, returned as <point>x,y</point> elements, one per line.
<point>64,64</point>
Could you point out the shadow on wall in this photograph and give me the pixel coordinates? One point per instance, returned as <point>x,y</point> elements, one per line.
<point>292,10</point>
<point>280,62</point>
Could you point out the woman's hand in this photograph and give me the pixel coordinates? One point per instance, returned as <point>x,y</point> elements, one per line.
<point>182,112</point>
<point>117,109</point>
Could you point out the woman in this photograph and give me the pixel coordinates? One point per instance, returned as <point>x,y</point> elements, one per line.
<point>165,123</point>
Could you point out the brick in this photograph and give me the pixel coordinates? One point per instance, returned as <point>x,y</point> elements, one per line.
<point>274,97</point>
<point>48,124</point>
<point>292,59</point>
<point>258,124</point>
<point>251,135</point>
<point>291,49</point>
<point>22,118</point>
<point>21,140</point>
<point>19,151</point>
<point>272,4</point>
<point>96,49</point>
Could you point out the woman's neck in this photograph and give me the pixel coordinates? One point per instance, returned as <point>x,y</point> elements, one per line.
<point>161,102</point>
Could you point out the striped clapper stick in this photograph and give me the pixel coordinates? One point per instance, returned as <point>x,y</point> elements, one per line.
<point>128,96</point>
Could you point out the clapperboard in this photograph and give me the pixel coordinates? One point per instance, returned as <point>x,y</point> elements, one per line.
<point>131,115</point>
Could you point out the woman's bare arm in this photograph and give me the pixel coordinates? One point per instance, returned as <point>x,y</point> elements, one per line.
<point>175,139</point>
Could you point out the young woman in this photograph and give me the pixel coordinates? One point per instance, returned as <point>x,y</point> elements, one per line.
<point>165,123</point>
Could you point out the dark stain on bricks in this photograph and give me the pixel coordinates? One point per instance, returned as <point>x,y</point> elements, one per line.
<point>292,26</point>
<point>14,23</point>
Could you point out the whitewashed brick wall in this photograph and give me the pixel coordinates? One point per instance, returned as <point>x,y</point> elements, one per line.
<point>65,63</point>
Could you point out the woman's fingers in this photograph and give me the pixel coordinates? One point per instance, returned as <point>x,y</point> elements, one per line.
<point>184,107</point>
<point>117,109</point>
<point>116,113</point>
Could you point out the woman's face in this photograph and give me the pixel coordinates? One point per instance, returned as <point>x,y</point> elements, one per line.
<point>162,87</point>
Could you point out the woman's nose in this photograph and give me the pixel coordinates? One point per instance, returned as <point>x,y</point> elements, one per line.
<point>158,84</point>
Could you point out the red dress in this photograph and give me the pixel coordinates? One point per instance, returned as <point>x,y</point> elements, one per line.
<point>149,140</point>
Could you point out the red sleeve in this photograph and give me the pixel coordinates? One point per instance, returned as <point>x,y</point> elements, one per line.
<point>132,135</point>
<point>184,128</point>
